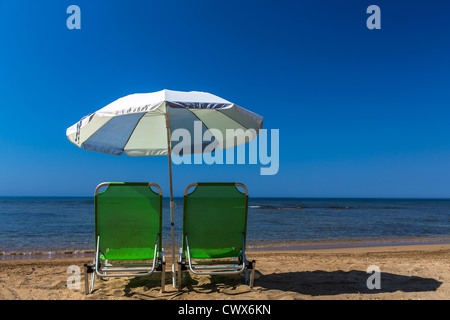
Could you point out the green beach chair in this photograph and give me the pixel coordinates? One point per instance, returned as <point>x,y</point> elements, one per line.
<point>214,231</point>
<point>128,219</point>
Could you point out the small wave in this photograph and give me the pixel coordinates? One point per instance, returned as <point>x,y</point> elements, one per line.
<point>86,201</point>
<point>296,207</point>
<point>44,254</point>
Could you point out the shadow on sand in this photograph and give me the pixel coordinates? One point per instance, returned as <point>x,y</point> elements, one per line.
<point>317,283</point>
<point>313,283</point>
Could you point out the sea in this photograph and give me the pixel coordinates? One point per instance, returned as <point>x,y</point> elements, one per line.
<point>50,226</point>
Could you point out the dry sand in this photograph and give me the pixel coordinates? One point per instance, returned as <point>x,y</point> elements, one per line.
<point>407,272</point>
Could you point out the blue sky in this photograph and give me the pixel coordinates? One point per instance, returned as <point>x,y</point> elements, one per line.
<point>361,113</point>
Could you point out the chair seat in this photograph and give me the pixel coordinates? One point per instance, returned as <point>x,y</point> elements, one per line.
<point>128,254</point>
<point>207,253</point>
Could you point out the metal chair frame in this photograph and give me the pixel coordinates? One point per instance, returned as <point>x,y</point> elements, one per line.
<point>104,269</point>
<point>212,267</point>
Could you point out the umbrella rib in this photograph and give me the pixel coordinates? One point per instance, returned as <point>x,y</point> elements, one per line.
<point>203,122</point>
<point>129,136</point>
<point>198,117</point>
<point>82,143</point>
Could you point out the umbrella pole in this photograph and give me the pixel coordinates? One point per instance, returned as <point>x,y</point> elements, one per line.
<point>172,203</point>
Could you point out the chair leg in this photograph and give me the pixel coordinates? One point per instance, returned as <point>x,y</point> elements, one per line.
<point>86,280</point>
<point>250,265</point>
<point>88,285</point>
<point>180,270</point>
<point>252,276</point>
<point>246,275</point>
<point>163,278</point>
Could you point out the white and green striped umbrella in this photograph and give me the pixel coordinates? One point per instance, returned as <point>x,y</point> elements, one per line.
<point>137,124</point>
<point>142,125</point>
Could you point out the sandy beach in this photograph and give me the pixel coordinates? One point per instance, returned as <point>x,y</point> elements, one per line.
<point>407,272</point>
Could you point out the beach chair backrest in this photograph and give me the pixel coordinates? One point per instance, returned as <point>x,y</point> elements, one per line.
<point>128,219</point>
<point>215,220</point>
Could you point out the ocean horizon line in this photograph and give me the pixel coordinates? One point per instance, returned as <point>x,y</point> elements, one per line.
<point>253,197</point>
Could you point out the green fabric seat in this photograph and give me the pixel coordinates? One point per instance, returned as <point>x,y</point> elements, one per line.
<point>215,227</point>
<point>128,221</point>
<point>215,220</point>
<point>128,254</point>
<point>128,227</point>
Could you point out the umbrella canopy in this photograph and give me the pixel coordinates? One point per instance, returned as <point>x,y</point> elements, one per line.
<point>137,124</point>
<point>142,125</point>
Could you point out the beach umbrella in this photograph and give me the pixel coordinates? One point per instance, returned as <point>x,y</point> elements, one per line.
<point>145,124</point>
